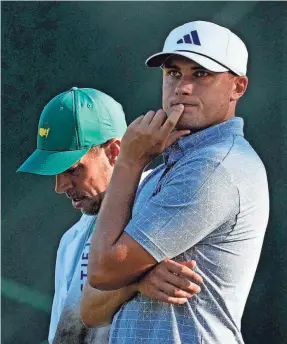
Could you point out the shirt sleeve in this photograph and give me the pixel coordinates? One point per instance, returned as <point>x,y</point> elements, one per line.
<point>197,197</point>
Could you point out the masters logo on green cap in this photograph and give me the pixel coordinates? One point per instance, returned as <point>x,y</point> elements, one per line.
<point>70,124</point>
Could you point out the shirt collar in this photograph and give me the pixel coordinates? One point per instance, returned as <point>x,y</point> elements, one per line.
<point>233,126</point>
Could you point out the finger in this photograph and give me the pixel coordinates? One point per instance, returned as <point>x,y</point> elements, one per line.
<point>182,283</point>
<point>174,136</point>
<point>172,284</point>
<point>137,120</point>
<point>159,295</point>
<point>191,264</point>
<point>148,117</point>
<point>183,271</point>
<point>172,119</point>
<point>158,119</point>
<point>171,290</point>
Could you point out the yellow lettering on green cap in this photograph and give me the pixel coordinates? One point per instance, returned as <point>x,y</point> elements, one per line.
<point>44,132</point>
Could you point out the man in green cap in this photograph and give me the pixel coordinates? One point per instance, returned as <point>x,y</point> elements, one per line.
<point>79,138</point>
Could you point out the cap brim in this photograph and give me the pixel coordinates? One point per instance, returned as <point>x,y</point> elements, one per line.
<point>157,60</point>
<point>50,163</point>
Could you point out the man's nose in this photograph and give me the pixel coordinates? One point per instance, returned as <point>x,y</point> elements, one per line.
<point>184,87</point>
<point>63,183</point>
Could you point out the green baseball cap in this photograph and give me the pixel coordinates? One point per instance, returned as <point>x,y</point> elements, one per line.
<point>70,125</point>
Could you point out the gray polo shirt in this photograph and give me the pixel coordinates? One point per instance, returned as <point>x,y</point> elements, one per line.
<point>209,202</point>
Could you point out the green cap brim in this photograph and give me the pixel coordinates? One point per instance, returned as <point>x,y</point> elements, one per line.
<point>50,163</point>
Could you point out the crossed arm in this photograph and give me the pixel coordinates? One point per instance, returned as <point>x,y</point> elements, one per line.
<point>169,282</point>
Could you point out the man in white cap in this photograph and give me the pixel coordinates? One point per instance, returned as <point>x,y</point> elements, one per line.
<point>208,201</point>
<point>78,141</point>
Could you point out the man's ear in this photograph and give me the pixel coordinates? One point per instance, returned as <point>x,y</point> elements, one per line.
<point>240,84</point>
<point>112,150</point>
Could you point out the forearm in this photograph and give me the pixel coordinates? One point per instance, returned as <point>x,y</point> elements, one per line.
<point>113,217</point>
<point>99,307</point>
<point>117,206</point>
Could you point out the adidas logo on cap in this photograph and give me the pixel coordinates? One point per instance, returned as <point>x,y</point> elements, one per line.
<point>191,38</point>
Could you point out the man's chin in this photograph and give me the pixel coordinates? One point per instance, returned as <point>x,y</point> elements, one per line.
<point>92,211</point>
<point>88,206</point>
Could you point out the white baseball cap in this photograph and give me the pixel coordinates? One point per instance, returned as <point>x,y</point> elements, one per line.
<point>213,47</point>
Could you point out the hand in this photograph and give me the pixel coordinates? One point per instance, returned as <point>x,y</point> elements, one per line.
<point>150,135</point>
<point>170,282</point>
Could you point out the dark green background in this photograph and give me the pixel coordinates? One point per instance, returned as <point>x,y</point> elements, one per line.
<point>48,47</point>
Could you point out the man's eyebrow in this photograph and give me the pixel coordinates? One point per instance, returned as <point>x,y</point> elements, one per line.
<point>170,65</point>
